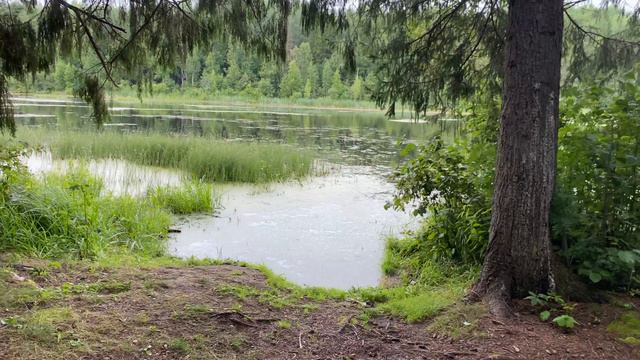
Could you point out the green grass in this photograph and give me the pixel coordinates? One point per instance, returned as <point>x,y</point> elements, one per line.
<point>459,321</point>
<point>425,303</point>
<point>206,159</point>
<point>413,301</point>
<point>47,325</point>
<point>284,324</point>
<point>423,287</point>
<point>195,96</point>
<point>190,198</point>
<point>409,261</point>
<point>180,345</point>
<point>68,216</point>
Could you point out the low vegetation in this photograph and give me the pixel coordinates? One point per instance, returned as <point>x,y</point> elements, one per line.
<point>627,327</point>
<point>594,209</point>
<point>205,159</point>
<point>424,286</point>
<point>188,198</point>
<point>71,216</point>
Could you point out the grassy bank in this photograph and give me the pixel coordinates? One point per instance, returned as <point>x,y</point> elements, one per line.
<point>68,224</point>
<point>70,216</point>
<point>199,97</point>
<point>165,308</point>
<point>205,159</point>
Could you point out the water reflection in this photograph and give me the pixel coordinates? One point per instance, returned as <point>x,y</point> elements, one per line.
<point>355,138</point>
<point>326,231</point>
<point>118,176</point>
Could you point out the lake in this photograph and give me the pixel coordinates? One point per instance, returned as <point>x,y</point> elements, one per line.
<point>326,230</point>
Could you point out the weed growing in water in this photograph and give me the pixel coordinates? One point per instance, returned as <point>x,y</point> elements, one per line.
<point>190,198</point>
<point>209,160</point>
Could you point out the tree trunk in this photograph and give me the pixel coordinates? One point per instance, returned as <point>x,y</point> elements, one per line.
<point>518,257</point>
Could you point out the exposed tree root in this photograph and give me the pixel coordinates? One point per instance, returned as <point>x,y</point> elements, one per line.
<point>495,294</point>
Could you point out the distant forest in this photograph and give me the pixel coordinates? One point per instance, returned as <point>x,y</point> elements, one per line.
<point>314,68</point>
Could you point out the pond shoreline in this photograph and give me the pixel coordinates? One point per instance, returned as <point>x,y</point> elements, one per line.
<point>232,101</point>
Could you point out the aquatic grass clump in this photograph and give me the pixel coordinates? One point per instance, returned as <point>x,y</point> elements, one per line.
<point>190,198</point>
<point>206,159</point>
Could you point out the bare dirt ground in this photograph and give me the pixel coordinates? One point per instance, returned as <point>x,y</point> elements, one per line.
<point>229,312</point>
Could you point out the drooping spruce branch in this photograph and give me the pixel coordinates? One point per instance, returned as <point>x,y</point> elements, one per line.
<point>598,37</point>
<point>127,36</point>
<point>430,53</point>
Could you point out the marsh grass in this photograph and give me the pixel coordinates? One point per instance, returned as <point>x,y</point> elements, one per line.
<point>69,216</point>
<point>194,197</point>
<point>197,96</point>
<point>206,159</point>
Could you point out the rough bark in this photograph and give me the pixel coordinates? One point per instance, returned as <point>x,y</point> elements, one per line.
<point>518,257</point>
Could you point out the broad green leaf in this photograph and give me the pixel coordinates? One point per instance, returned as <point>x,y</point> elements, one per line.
<point>407,149</point>
<point>627,256</point>
<point>544,316</point>
<point>565,321</point>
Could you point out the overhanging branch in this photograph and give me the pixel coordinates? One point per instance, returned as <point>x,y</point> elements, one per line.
<point>597,36</point>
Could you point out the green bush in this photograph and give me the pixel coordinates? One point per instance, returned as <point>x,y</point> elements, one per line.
<point>451,186</point>
<point>596,207</point>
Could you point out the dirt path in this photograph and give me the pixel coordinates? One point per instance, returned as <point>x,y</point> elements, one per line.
<point>229,312</point>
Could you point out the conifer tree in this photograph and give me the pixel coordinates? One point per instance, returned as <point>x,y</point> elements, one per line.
<point>435,52</point>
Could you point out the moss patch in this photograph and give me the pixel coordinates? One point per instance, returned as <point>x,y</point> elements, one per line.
<point>423,305</point>
<point>627,326</point>
<point>459,321</point>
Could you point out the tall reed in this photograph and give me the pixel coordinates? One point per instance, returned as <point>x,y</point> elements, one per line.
<point>206,159</point>
<point>186,199</point>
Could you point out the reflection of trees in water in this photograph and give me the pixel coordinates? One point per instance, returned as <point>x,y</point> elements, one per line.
<point>274,129</point>
<point>357,138</point>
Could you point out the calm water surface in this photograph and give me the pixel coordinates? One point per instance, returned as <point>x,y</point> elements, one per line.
<point>326,230</point>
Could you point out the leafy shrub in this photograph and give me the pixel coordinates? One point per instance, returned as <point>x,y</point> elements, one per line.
<point>553,303</point>
<point>451,186</point>
<point>10,165</point>
<point>596,209</point>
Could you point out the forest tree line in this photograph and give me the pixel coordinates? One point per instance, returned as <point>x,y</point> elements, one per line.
<point>314,68</point>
